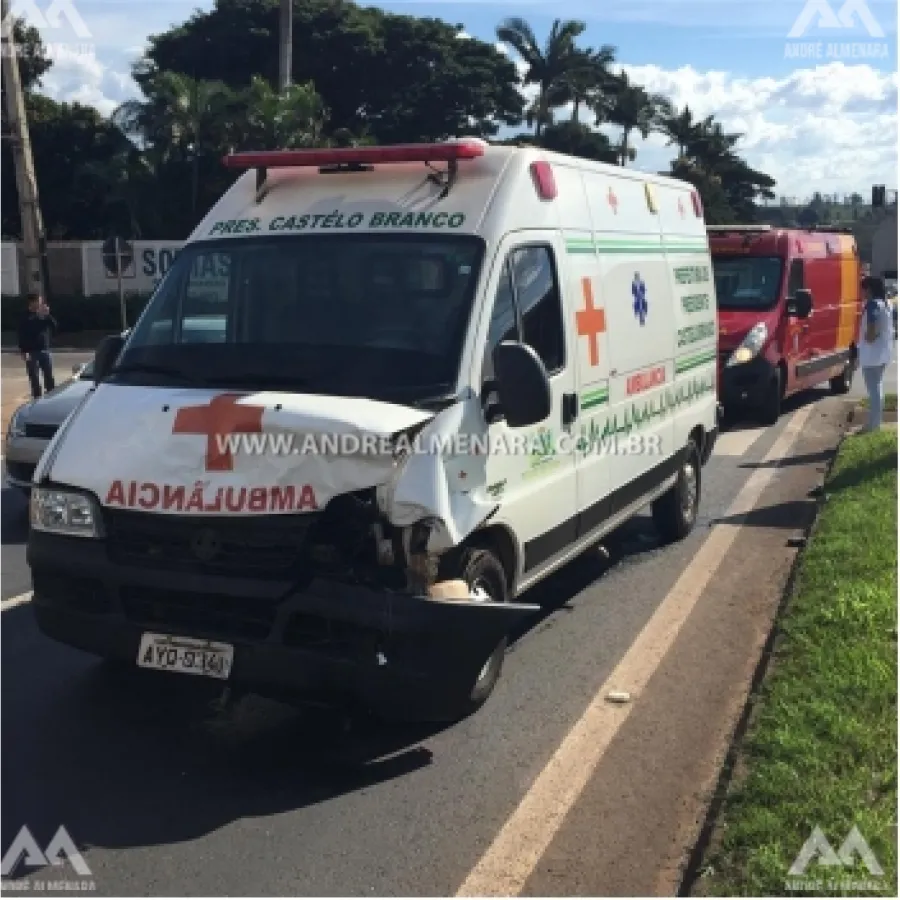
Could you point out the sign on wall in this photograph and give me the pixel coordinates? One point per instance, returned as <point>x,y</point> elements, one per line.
<point>143,269</point>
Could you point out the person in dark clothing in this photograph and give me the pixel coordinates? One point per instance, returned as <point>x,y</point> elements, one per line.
<point>34,343</point>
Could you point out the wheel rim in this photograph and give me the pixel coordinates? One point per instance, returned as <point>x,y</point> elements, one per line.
<point>688,490</point>
<point>481,590</point>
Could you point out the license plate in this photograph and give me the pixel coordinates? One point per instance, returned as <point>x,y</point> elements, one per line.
<point>191,656</point>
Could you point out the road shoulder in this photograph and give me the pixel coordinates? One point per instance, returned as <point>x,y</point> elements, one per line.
<point>634,826</point>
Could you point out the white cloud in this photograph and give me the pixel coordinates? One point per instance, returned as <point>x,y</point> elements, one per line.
<point>832,128</point>
<point>80,77</point>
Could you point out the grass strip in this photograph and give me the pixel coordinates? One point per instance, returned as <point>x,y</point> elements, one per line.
<point>821,746</point>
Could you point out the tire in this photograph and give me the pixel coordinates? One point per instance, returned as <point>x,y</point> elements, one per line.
<point>478,567</point>
<point>675,513</point>
<point>770,410</point>
<point>842,383</point>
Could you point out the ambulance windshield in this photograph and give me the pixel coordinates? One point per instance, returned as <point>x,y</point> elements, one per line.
<point>747,282</point>
<point>382,316</point>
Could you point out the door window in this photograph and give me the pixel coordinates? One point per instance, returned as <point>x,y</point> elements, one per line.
<point>504,320</point>
<point>539,304</point>
<point>528,308</point>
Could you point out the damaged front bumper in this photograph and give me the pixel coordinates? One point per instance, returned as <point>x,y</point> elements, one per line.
<point>328,642</point>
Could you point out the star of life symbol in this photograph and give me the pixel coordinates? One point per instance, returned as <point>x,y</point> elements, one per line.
<point>817,849</point>
<point>639,293</point>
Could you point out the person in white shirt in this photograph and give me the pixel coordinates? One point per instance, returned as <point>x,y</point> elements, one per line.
<point>876,338</point>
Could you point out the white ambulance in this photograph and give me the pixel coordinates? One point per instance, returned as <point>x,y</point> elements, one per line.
<point>381,393</point>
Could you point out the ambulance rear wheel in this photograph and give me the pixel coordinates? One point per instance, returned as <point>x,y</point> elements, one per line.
<point>675,513</point>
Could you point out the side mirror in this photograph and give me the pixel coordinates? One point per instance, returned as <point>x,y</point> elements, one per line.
<point>801,305</point>
<point>522,384</point>
<point>106,355</point>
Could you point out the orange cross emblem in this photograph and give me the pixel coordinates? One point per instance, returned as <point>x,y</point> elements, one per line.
<point>591,322</point>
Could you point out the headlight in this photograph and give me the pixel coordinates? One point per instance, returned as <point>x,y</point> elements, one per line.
<point>750,346</point>
<point>64,512</point>
<point>17,423</point>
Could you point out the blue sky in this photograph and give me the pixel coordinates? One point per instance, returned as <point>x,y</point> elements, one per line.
<point>827,123</point>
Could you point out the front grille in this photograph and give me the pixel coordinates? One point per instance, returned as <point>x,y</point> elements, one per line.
<point>206,615</point>
<point>42,432</point>
<point>259,547</point>
<point>20,471</point>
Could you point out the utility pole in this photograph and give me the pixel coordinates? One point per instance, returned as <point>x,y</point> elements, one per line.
<point>33,240</point>
<point>285,45</point>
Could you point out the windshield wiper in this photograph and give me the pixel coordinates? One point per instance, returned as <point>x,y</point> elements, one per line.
<point>151,369</point>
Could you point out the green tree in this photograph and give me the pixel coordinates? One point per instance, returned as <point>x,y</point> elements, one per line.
<point>32,55</point>
<point>590,81</point>
<point>682,129</point>
<point>272,120</point>
<point>553,68</point>
<point>182,119</point>
<point>397,78</point>
<point>634,109</point>
<point>71,144</point>
<point>571,138</point>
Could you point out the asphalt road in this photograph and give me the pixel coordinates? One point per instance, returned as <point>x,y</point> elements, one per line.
<point>168,795</point>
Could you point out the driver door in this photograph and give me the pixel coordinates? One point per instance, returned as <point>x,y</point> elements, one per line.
<point>535,480</point>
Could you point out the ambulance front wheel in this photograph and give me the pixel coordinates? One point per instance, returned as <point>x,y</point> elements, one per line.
<point>675,513</point>
<point>483,573</point>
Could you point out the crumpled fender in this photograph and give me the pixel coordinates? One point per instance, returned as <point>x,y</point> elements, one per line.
<point>427,484</point>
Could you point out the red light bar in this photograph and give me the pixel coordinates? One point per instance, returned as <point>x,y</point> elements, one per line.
<point>397,153</point>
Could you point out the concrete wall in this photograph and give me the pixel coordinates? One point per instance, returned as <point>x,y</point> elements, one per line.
<point>77,268</point>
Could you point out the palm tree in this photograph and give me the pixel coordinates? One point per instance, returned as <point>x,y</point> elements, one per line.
<point>548,68</point>
<point>634,109</point>
<point>712,147</point>
<point>181,116</point>
<point>292,118</point>
<point>683,130</point>
<point>590,80</point>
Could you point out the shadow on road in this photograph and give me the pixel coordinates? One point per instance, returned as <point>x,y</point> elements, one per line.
<point>791,515</point>
<point>126,758</point>
<point>745,420</point>
<point>801,459</point>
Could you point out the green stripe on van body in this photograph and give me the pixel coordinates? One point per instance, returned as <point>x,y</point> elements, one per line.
<point>586,245</point>
<point>693,361</point>
<point>592,399</point>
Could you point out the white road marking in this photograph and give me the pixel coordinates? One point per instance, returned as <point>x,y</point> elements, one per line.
<point>13,602</point>
<point>510,860</point>
<point>737,443</point>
